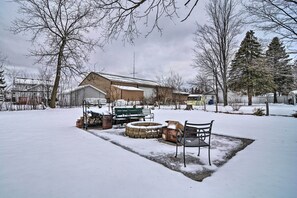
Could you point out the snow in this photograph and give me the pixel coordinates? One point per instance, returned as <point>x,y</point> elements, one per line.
<point>129,88</point>
<point>137,126</point>
<point>293,92</point>
<point>118,78</point>
<point>43,154</point>
<point>68,91</point>
<point>29,81</point>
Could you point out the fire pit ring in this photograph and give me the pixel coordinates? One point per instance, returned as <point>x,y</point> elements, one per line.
<point>144,129</point>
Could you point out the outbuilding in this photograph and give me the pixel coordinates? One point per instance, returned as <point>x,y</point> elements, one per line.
<point>75,97</point>
<point>126,88</point>
<point>292,97</point>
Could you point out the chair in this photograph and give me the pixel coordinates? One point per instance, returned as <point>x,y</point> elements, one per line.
<point>194,135</point>
<point>148,114</point>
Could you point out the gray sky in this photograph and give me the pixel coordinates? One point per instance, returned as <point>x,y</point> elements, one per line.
<point>155,55</point>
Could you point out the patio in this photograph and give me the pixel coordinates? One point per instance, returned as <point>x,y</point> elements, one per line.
<point>223,148</point>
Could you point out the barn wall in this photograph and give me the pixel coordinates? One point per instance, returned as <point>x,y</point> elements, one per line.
<point>97,81</point>
<point>148,91</point>
<point>78,96</point>
<point>132,95</point>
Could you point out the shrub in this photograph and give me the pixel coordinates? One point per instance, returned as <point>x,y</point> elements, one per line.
<point>258,112</point>
<point>235,103</point>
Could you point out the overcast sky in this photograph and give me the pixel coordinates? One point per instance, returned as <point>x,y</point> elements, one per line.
<point>155,55</point>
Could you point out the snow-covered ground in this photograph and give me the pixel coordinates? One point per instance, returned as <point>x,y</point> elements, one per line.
<point>43,154</point>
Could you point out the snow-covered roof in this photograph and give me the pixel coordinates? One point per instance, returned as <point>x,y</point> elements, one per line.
<point>37,85</point>
<point>127,88</point>
<point>82,87</point>
<point>195,95</point>
<point>293,92</point>
<point>30,81</point>
<point>180,92</point>
<point>125,79</point>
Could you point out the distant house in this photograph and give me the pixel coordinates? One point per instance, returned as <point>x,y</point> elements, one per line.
<point>127,88</point>
<point>75,97</point>
<point>31,91</point>
<point>293,97</point>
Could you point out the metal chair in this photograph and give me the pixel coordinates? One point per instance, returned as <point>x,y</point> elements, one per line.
<point>194,135</point>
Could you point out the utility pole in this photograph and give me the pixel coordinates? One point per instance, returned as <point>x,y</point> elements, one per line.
<point>134,72</point>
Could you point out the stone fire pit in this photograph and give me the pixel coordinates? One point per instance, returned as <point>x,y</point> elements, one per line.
<point>143,129</point>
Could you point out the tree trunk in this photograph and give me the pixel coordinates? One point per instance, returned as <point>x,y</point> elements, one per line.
<point>225,95</point>
<point>58,75</point>
<point>274,97</point>
<point>217,95</point>
<point>250,96</point>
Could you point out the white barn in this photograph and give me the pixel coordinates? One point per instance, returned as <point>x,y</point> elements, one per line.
<point>75,97</point>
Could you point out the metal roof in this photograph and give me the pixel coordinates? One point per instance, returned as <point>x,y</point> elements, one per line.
<point>128,88</point>
<point>125,79</point>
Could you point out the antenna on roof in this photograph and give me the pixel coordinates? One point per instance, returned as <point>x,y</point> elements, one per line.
<point>134,72</point>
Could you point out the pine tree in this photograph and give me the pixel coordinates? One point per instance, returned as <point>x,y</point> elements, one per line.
<point>249,73</point>
<point>278,61</point>
<point>2,83</point>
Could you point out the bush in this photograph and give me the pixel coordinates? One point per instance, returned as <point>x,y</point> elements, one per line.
<point>294,114</point>
<point>258,112</point>
<point>235,103</point>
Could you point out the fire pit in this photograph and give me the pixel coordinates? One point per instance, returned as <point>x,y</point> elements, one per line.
<point>144,129</point>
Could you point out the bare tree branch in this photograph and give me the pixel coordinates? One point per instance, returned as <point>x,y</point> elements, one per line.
<point>59,29</point>
<point>123,16</point>
<point>215,42</point>
<point>274,16</point>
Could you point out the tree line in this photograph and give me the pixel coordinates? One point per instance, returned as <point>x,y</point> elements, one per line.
<point>247,70</point>
<point>60,32</point>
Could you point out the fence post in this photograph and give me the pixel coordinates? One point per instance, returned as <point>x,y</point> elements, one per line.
<point>267,108</point>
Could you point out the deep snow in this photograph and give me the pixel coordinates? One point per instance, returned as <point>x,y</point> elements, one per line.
<point>43,154</point>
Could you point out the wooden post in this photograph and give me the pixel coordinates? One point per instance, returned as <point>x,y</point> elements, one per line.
<point>267,108</point>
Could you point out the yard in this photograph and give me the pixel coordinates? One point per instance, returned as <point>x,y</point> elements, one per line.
<point>43,154</point>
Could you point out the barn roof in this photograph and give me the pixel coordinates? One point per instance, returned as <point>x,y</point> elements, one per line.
<point>125,79</point>
<point>82,87</point>
<point>128,88</point>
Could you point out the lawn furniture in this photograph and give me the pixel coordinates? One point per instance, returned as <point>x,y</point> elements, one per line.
<point>194,135</point>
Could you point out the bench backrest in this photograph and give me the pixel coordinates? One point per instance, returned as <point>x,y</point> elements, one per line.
<point>146,111</point>
<point>127,111</point>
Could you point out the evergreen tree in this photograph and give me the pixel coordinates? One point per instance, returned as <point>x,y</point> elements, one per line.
<point>248,73</point>
<point>278,61</point>
<point>2,79</point>
<point>2,84</point>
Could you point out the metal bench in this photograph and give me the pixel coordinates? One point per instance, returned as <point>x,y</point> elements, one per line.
<point>125,115</point>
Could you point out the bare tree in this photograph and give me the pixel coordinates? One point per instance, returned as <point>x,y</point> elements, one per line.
<point>60,31</point>
<point>123,16</point>
<point>46,74</point>
<point>164,91</point>
<point>274,16</point>
<point>170,83</point>
<point>215,42</point>
<point>175,81</point>
<point>202,84</point>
